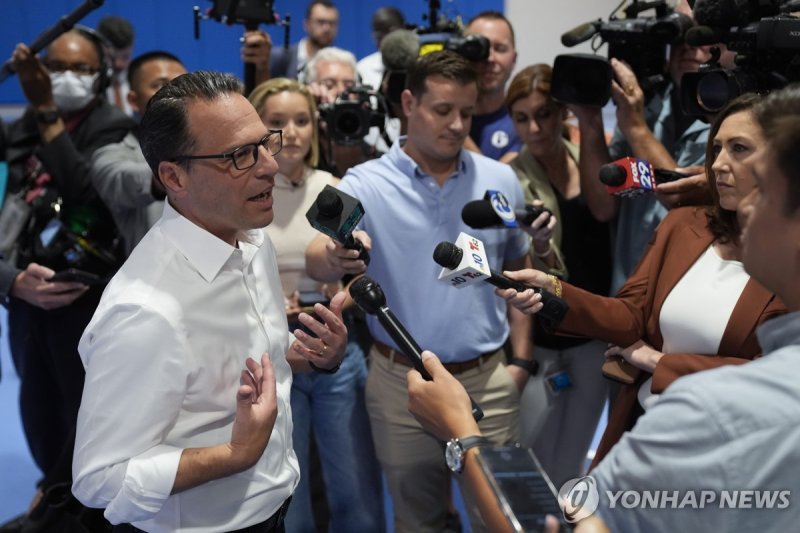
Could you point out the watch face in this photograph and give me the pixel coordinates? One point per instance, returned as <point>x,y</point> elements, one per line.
<point>453,455</point>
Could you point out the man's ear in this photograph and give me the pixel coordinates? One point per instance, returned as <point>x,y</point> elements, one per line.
<point>173,177</point>
<point>133,103</point>
<point>408,101</point>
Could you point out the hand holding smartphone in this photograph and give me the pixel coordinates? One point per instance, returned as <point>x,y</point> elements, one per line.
<point>78,276</point>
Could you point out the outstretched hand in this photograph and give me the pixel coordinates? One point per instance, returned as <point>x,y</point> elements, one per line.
<point>256,411</point>
<point>441,406</point>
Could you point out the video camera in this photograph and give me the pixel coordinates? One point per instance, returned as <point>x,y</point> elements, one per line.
<point>354,112</point>
<point>249,13</point>
<point>444,34</point>
<point>640,42</point>
<point>765,40</point>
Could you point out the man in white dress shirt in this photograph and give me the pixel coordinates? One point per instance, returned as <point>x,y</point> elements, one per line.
<point>185,422</point>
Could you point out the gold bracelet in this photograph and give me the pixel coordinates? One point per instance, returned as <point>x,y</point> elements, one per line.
<point>556,285</point>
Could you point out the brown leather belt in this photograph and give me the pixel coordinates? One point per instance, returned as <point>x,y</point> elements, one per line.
<point>453,368</point>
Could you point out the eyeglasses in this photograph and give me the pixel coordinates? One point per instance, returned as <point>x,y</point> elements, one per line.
<point>78,68</point>
<point>245,156</point>
<point>332,83</point>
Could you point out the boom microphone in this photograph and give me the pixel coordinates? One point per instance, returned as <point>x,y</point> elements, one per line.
<point>461,269</point>
<point>581,33</point>
<point>64,24</point>
<point>704,36</point>
<point>630,177</point>
<point>336,214</point>
<point>368,296</point>
<point>480,214</point>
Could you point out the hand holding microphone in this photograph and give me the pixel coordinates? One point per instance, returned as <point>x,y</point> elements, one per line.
<point>465,263</point>
<point>336,214</point>
<point>369,296</point>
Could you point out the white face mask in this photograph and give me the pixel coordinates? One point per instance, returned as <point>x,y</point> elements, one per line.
<point>71,91</point>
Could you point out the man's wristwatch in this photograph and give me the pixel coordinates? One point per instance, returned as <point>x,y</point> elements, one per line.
<point>47,116</point>
<point>531,366</point>
<point>456,448</point>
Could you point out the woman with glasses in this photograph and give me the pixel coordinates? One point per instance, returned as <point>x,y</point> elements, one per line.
<point>330,403</point>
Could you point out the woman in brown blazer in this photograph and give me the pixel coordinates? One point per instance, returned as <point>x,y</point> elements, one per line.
<point>689,292</point>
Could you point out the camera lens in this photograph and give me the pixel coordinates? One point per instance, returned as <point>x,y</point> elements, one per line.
<point>348,123</point>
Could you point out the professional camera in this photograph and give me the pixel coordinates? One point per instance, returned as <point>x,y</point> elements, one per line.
<point>444,34</point>
<point>640,42</point>
<point>765,40</point>
<point>354,112</point>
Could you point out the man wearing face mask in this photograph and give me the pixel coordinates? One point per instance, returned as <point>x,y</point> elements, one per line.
<point>66,226</point>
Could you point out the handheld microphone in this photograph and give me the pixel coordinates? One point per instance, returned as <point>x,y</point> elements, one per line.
<point>336,214</point>
<point>369,296</point>
<point>480,214</point>
<point>461,269</point>
<point>581,33</point>
<point>630,177</point>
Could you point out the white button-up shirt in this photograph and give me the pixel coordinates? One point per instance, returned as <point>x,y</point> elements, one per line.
<point>163,356</point>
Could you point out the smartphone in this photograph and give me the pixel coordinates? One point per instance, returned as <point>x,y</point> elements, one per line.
<point>80,276</point>
<point>309,298</point>
<point>619,369</point>
<point>523,489</point>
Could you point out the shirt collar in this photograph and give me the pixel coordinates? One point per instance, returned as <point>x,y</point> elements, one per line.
<point>206,252</point>
<point>779,332</point>
<point>409,167</point>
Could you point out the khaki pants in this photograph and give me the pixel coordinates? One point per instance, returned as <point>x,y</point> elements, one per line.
<point>412,459</point>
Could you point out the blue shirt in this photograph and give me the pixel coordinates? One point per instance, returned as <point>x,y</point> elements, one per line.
<point>638,217</point>
<point>735,428</point>
<point>407,215</point>
<point>494,134</point>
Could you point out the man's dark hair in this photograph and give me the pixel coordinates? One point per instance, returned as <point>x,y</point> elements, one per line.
<point>164,129</point>
<point>445,63</point>
<point>722,223</point>
<point>779,116</point>
<point>496,15</point>
<point>139,61</point>
<point>323,3</point>
<point>387,18</point>
<point>117,30</point>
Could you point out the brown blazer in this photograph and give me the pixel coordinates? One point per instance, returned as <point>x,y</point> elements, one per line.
<point>633,314</point>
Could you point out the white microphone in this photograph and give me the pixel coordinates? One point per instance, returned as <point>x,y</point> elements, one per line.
<point>472,267</point>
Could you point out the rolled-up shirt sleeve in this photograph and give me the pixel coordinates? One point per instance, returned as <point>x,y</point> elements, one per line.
<point>136,382</point>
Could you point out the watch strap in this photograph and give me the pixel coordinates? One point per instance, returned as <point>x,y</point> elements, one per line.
<point>473,441</point>
<point>47,116</point>
<point>531,366</point>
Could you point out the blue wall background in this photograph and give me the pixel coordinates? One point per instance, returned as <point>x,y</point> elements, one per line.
<point>168,25</point>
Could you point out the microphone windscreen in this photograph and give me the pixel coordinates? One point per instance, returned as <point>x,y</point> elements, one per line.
<point>612,175</point>
<point>722,13</point>
<point>447,255</point>
<point>329,203</point>
<point>479,214</point>
<point>702,36</point>
<point>579,34</point>
<point>399,49</point>
<point>367,294</point>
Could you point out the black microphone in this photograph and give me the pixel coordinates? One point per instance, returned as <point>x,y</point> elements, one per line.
<point>449,256</point>
<point>64,24</point>
<point>368,296</point>
<point>581,33</point>
<point>336,214</point>
<point>480,214</point>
